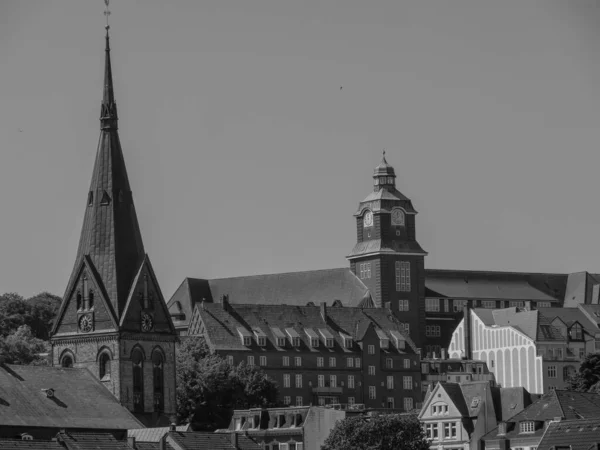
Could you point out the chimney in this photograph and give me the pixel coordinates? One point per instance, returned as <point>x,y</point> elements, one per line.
<point>444,354</point>
<point>225,302</point>
<point>162,444</point>
<point>234,440</point>
<point>467,326</point>
<point>173,427</point>
<point>324,311</point>
<point>131,442</point>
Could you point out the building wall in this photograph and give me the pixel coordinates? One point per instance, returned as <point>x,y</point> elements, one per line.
<point>510,354</point>
<point>318,425</point>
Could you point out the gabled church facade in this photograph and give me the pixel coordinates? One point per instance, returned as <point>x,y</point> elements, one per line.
<point>113,319</point>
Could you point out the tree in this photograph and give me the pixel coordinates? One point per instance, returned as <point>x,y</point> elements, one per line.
<point>383,432</point>
<point>587,378</point>
<point>208,387</point>
<point>38,313</point>
<point>22,347</point>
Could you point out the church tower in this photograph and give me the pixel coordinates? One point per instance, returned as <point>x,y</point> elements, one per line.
<point>387,257</point>
<point>113,318</point>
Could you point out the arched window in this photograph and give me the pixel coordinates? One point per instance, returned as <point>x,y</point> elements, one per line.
<point>104,366</point>
<point>159,381</point>
<point>67,361</point>
<point>91,299</point>
<point>137,360</point>
<point>79,301</point>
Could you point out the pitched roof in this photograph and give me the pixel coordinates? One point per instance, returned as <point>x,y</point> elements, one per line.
<point>154,434</point>
<point>578,434</point>
<point>213,441</point>
<point>79,401</point>
<point>110,233</point>
<point>293,288</point>
<point>533,324</point>
<point>18,444</point>
<point>222,324</point>
<point>92,441</point>
<point>570,315</point>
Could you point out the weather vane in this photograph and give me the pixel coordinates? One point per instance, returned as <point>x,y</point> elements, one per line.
<point>107,13</point>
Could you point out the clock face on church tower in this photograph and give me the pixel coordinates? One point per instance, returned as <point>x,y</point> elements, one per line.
<point>368,219</point>
<point>147,322</point>
<point>397,217</point>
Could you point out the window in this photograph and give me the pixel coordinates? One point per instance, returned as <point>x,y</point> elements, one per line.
<point>333,380</point>
<point>431,429</point>
<point>320,361</point>
<point>433,330</point>
<point>262,340</point>
<point>372,393</point>
<point>407,363</point>
<point>581,353</point>
<point>371,370</point>
<point>321,401</point>
<point>230,360</point>
<point>408,404</point>
<point>104,366</point>
<point>332,362</point>
<point>449,430</point>
<point>287,400</point>
<point>295,341</point>
<point>458,305</point>
<point>298,361</point>
<point>365,270</point>
<point>357,363</point>
<point>559,353</point>
<point>286,380</point>
<point>516,304</point>
<point>299,380</point>
<point>389,363</point>
<point>405,327</point>
<point>402,276</point>
<point>390,382</point>
<point>299,400</point>
<point>321,380</point>
<point>250,361</point>
<point>351,400</point>
<point>551,371</point>
<point>286,361</point>
<point>403,305</point>
<point>576,332</point>
<point>349,362</point>
<point>407,383</point>
<point>543,305</point>
<point>439,408</point>
<point>490,304</point>
<point>371,349</point>
<point>350,381</point>
<point>390,402</point>
<point>246,341</point>
<point>262,360</point>
<point>527,427</point>
<point>432,305</point>
<point>158,380</point>
<point>137,359</point>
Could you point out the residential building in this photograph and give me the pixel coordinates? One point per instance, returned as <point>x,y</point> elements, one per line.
<point>113,319</point>
<point>291,428</point>
<point>318,354</point>
<point>525,429</point>
<point>434,370</point>
<point>39,401</point>
<point>71,440</point>
<point>154,435</point>
<point>193,440</point>
<point>575,434</point>
<point>536,349</point>
<point>458,415</point>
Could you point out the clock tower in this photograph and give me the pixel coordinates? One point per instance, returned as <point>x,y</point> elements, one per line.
<point>113,319</point>
<point>387,257</point>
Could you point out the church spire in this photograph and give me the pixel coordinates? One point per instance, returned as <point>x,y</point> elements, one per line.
<point>108,110</point>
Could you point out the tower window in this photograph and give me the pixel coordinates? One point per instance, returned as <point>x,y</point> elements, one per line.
<point>91,299</point>
<point>104,366</point>
<point>159,383</point>
<point>79,301</point>
<point>402,276</point>
<point>137,360</point>
<point>403,305</point>
<point>364,270</point>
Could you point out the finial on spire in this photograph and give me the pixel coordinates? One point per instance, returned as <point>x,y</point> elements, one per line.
<point>107,13</point>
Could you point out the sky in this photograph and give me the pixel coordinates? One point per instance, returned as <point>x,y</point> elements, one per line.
<point>251,129</point>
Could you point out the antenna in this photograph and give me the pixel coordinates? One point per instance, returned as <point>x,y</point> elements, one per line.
<point>107,13</point>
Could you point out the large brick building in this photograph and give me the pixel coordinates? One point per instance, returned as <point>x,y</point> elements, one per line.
<point>113,319</point>
<point>318,354</point>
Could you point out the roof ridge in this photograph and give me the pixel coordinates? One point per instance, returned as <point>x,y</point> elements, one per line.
<point>275,273</point>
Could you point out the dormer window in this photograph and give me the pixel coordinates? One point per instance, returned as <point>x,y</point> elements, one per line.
<point>279,336</point>
<point>501,428</point>
<point>293,336</point>
<point>527,427</point>
<point>576,332</point>
<point>245,336</point>
<point>384,341</point>
<point>327,337</point>
<point>313,338</point>
<point>261,338</point>
<point>347,340</point>
<point>399,340</point>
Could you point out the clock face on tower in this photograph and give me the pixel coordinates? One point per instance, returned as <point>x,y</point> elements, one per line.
<point>368,219</point>
<point>85,323</point>
<point>397,217</point>
<point>147,322</point>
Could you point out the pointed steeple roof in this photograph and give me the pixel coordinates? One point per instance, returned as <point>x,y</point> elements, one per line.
<point>110,236</point>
